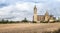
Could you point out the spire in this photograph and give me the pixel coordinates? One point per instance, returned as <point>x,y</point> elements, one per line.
<point>35,7</point>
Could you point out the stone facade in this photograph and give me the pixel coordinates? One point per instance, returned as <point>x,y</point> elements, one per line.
<point>45,17</point>
<point>35,14</point>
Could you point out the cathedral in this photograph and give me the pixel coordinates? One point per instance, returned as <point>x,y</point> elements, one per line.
<point>45,17</point>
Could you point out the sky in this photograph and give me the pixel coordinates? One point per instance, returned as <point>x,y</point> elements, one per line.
<point>17,10</point>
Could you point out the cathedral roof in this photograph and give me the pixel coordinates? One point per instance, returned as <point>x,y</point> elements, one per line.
<point>40,15</point>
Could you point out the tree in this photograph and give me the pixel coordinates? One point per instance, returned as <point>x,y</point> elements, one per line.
<point>25,20</point>
<point>58,19</point>
<point>34,21</point>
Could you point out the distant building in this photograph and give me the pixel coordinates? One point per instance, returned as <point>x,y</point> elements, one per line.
<point>45,17</point>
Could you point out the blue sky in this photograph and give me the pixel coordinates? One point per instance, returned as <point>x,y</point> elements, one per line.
<point>19,9</point>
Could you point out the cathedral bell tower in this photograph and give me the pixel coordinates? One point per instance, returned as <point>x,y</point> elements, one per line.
<point>35,14</point>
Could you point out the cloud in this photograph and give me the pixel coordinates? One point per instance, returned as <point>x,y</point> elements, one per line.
<point>5,12</point>
<point>26,9</point>
<point>19,9</point>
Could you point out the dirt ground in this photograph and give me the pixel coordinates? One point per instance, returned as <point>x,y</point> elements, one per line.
<point>28,27</point>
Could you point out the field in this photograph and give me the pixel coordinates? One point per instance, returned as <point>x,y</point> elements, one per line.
<point>28,27</point>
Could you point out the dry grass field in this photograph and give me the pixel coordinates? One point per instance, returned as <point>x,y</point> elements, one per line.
<point>28,27</point>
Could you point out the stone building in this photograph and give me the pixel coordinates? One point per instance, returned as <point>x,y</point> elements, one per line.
<point>45,17</point>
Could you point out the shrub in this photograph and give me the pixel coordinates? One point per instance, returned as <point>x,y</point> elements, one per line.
<point>43,21</point>
<point>34,22</point>
<point>25,20</point>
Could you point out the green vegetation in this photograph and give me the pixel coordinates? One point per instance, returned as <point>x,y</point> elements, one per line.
<point>58,19</point>
<point>43,21</point>
<point>7,21</point>
<point>24,20</point>
<point>34,21</point>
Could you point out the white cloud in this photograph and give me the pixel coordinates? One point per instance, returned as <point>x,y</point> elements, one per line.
<point>26,9</point>
<point>22,6</point>
<point>18,10</point>
<point>6,10</point>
